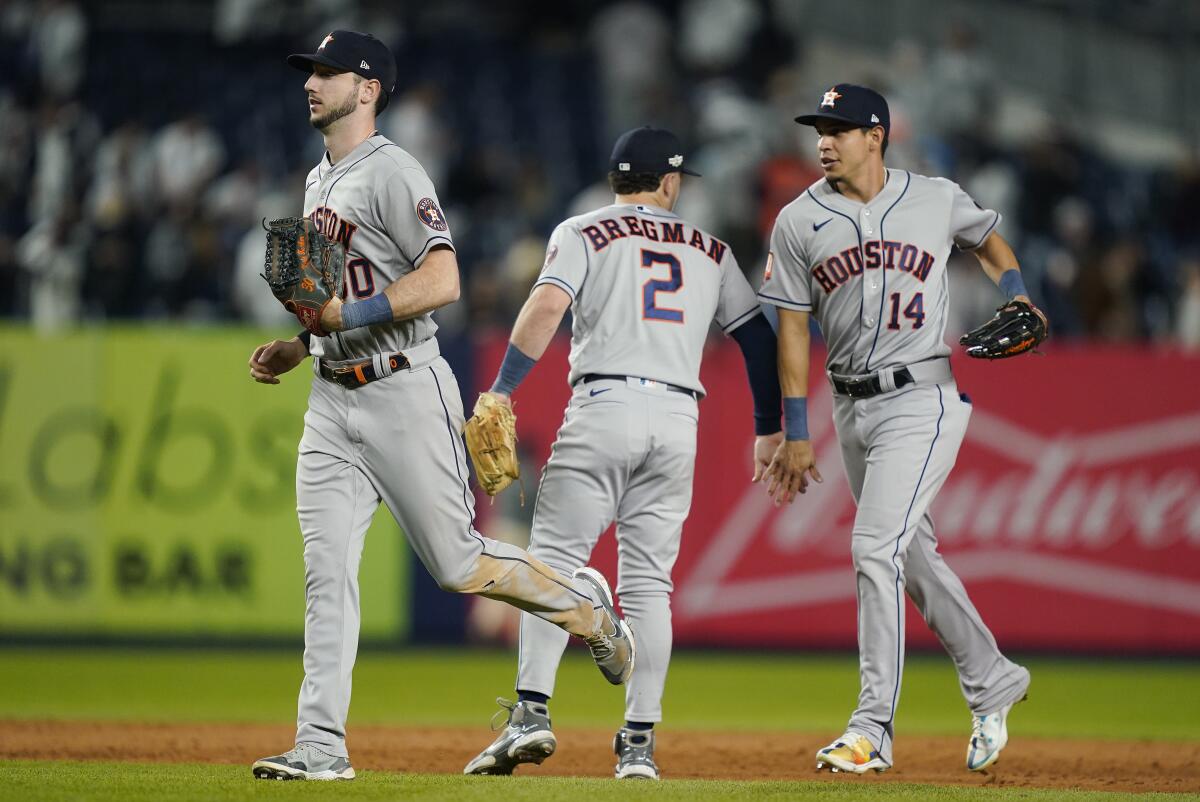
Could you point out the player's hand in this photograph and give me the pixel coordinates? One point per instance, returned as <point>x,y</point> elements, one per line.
<point>501,397</point>
<point>331,315</point>
<point>269,361</point>
<point>790,470</point>
<point>765,447</point>
<point>1039,312</point>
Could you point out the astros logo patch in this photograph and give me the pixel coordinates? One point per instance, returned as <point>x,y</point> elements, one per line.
<point>829,98</point>
<point>431,215</point>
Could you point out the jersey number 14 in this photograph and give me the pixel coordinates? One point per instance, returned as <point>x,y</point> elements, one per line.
<point>915,311</point>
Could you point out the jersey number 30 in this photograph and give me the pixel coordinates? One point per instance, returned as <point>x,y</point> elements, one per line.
<point>650,290</point>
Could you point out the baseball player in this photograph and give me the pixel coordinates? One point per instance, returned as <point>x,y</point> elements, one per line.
<point>864,251</point>
<point>644,287</point>
<point>384,414</point>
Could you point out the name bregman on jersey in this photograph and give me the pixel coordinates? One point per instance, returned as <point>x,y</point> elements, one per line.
<point>656,230</point>
<point>888,254</point>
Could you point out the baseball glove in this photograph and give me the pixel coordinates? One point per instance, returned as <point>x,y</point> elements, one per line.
<point>303,269</point>
<point>491,436</point>
<point>1016,328</point>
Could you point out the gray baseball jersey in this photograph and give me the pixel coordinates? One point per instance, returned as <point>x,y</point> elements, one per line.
<point>647,287</point>
<point>395,440</point>
<point>824,244</point>
<point>380,204</point>
<point>657,285</point>
<point>874,277</point>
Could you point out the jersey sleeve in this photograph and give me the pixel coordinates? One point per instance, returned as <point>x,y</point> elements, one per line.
<point>411,214</point>
<point>970,223</point>
<point>736,302</point>
<point>566,262</point>
<point>787,283</point>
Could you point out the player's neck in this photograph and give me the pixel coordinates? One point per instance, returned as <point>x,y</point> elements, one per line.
<point>657,199</point>
<point>347,134</point>
<point>864,184</point>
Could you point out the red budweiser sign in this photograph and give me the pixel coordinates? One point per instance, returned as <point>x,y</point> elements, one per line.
<point>1072,515</point>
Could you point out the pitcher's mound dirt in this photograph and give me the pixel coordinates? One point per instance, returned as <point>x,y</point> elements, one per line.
<point>1027,762</point>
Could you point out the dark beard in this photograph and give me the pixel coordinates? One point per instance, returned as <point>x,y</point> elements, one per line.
<point>333,115</point>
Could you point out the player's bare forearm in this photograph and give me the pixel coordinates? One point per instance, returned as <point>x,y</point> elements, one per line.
<point>539,320</point>
<point>996,257</point>
<point>794,461</point>
<point>793,353</point>
<point>431,286</point>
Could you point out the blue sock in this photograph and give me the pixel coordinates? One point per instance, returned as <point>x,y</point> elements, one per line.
<point>639,726</point>
<point>532,696</point>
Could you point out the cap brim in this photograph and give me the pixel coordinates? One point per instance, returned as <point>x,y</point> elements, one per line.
<point>686,171</point>
<point>811,119</point>
<point>305,61</point>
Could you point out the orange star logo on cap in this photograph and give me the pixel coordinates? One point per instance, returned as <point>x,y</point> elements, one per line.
<point>829,98</point>
<point>325,41</point>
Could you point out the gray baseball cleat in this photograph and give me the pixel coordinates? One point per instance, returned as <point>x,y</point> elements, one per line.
<point>635,754</point>
<point>613,646</point>
<point>526,738</point>
<point>304,762</point>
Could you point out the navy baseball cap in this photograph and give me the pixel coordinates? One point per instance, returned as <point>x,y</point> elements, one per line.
<point>351,51</point>
<point>648,150</point>
<point>849,103</point>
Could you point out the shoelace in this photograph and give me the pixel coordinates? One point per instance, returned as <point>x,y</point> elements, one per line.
<point>508,706</point>
<point>977,730</point>
<point>601,646</point>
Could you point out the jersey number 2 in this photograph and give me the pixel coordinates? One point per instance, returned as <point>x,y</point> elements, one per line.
<point>650,290</point>
<point>915,311</point>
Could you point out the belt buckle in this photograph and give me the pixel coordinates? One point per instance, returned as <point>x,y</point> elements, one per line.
<point>350,376</point>
<point>857,388</point>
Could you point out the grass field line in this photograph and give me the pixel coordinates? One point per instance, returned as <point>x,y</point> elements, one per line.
<point>1101,699</point>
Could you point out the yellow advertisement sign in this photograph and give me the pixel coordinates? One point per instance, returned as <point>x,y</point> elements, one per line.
<point>148,489</point>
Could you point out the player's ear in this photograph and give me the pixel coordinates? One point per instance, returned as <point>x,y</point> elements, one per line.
<point>368,92</point>
<point>876,135</point>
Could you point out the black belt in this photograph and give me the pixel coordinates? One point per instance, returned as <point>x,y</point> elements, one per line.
<point>360,372</point>
<point>588,378</point>
<point>868,386</point>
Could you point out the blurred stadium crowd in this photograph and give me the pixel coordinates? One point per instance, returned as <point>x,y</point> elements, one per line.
<point>143,142</point>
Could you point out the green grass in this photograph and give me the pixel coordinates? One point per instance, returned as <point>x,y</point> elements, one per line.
<point>136,782</point>
<point>1072,698</point>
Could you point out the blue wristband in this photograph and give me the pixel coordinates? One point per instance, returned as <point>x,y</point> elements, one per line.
<point>367,313</point>
<point>795,418</point>
<point>513,370</point>
<point>1012,285</point>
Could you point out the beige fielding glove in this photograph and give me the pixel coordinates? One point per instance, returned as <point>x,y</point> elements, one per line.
<point>491,436</point>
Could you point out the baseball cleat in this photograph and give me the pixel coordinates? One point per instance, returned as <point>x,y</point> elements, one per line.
<point>635,754</point>
<point>304,762</point>
<point>526,738</point>
<point>989,734</point>
<point>612,646</point>
<point>852,752</point>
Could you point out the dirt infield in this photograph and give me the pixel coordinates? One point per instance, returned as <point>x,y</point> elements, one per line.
<point>1027,762</point>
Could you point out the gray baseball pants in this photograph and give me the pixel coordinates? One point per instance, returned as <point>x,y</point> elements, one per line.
<point>397,440</point>
<point>898,449</point>
<point>626,452</point>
